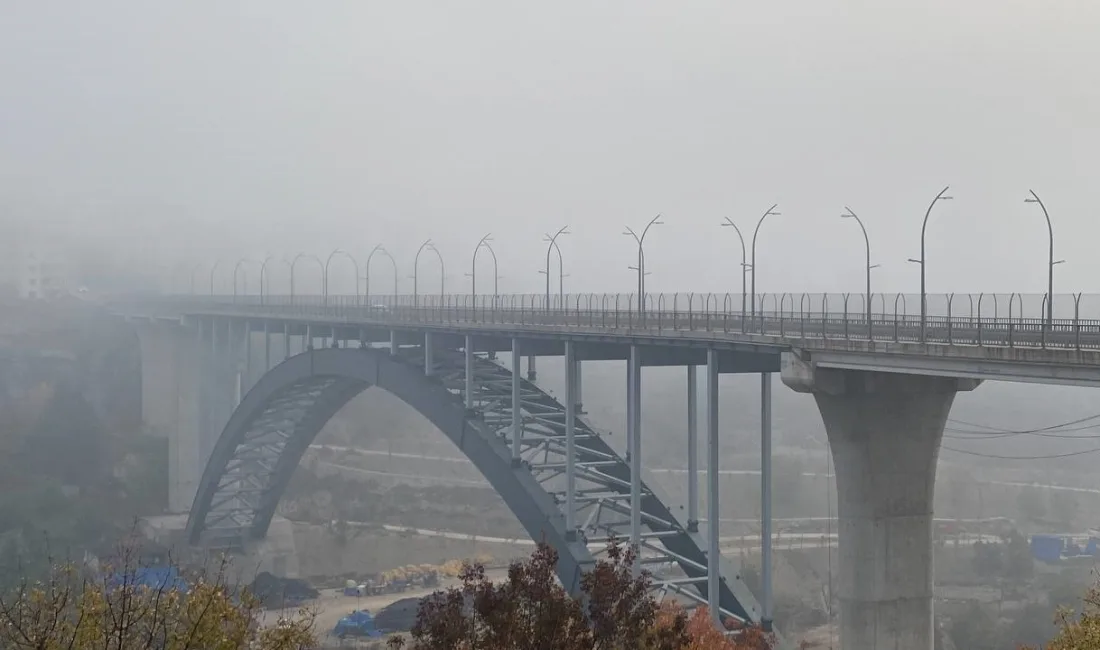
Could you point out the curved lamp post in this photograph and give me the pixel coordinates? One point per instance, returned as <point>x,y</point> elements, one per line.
<point>1050,265</point>
<point>551,245</point>
<point>212,269</point>
<point>867,243</point>
<point>484,243</point>
<point>354,263</point>
<point>263,276</point>
<point>752,265</point>
<point>428,245</point>
<point>193,271</point>
<point>294,263</point>
<point>744,267</point>
<point>380,249</point>
<point>942,196</point>
<point>442,273</point>
<point>640,268</point>
<point>236,270</point>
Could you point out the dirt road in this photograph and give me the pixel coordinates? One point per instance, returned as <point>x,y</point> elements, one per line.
<point>332,604</point>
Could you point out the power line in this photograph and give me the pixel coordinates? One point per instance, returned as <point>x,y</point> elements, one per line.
<point>995,456</point>
<point>973,435</point>
<point>977,431</point>
<point>1053,427</point>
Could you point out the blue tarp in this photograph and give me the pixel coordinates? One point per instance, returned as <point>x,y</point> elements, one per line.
<point>357,623</point>
<point>151,577</point>
<point>1047,548</point>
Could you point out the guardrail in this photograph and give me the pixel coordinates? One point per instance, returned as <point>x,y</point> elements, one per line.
<point>673,314</point>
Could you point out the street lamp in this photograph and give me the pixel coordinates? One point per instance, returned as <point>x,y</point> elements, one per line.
<point>484,243</point>
<point>924,226</point>
<point>1050,266</point>
<point>236,269</point>
<point>193,271</point>
<point>867,242</point>
<point>744,267</point>
<point>416,271</point>
<point>294,263</point>
<point>263,275</point>
<point>328,261</point>
<point>553,243</point>
<point>381,249</point>
<point>442,273</point>
<point>752,265</point>
<point>655,221</point>
<point>212,269</point>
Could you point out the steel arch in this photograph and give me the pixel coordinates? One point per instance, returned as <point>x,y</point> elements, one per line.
<point>266,437</point>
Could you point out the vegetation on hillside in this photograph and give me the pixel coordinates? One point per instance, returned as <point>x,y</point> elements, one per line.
<point>76,608</point>
<point>64,477</point>
<point>616,610</point>
<point>1080,629</point>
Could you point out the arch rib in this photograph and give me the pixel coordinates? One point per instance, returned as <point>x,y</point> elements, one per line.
<point>266,437</point>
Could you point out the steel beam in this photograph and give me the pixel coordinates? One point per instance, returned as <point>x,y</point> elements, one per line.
<point>578,381</point>
<point>247,354</point>
<point>570,442</point>
<point>636,444</point>
<point>238,388</point>
<point>766,496</point>
<point>713,552</point>
<point>469,371</point>
<point>693,448</point>
<point>517,406</point>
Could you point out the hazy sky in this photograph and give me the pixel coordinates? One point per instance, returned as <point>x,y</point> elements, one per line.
<point>202,129</point>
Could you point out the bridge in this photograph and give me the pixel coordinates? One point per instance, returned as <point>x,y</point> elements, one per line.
<point>245,383</point>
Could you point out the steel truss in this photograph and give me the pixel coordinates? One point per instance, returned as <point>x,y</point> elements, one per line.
<point>260,449</point>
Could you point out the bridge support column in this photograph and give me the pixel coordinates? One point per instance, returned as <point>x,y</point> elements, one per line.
<point>393,343</point>
<point>578,398</point>
<point>173,357</point>
<point>714,575</point>
<point>693,449</point>
<point>286,341</point>
<point>469,387</point>
<point>766,498</point>
<point>187,448</point>
<point>267,347</point>
<point>570,441</point>
<point>634,398</point>
<point>884,431</point>
<point>429,359</point>
<point>517,406</point>
<point>532,374</point>
<point>158,379</point>
<point>247,381</point>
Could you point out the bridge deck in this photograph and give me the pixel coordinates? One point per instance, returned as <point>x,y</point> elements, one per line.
<point>1065,351</point>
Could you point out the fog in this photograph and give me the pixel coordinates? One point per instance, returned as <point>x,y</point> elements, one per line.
<point>169,136</point>
<point>153,146</point>
<point>151,141</point>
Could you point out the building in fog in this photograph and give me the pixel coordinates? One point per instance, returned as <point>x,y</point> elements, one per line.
<point>34,266</point>
<point>42,273</point>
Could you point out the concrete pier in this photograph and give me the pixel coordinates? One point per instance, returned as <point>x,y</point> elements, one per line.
<point>884,431</point>
<point>188,378</point>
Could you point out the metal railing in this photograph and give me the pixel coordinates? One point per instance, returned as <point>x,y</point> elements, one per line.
<point>977,322</point>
